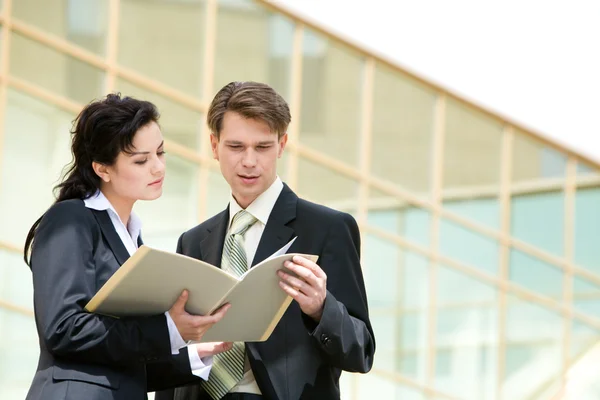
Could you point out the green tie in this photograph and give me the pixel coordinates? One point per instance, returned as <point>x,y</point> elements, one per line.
<point>228,367</point>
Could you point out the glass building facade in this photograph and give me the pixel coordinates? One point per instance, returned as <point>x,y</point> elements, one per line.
<point>481,238</point>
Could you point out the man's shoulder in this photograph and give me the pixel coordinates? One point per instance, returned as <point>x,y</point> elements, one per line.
<point>324,214</point>
<point>202,229</point>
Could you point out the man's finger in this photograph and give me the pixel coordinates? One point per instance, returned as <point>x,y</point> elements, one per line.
<point>314,267</point>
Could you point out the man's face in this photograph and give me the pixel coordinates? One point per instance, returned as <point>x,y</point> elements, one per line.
<point>247,151</point>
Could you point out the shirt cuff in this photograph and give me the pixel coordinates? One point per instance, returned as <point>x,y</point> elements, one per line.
<point>200,366</point>
<point>174,336</point>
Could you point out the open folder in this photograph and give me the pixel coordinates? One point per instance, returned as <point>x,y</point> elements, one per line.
<point>151,280</point>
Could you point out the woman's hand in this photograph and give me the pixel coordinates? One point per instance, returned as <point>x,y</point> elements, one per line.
<point>193,327</point>
<point>210,349</point>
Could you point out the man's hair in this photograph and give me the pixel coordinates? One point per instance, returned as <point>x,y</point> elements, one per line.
<point>252,100</point>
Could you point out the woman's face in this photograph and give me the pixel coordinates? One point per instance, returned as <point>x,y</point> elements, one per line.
<point>138,175</point>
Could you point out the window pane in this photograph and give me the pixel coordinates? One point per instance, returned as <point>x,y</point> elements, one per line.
<point>483,211</point>
<point>258,49</point>
<point>585,170</point>
<point>396,282</point>
<point>61,74</point>
<point>82,22</point>
<point>471,151</point>
<point>330,113</point>
<point>466,246</point>
<point>412,223</point>
<point>586,296</point>
<point>538,219</point>
<point>536,275</point>
<point>535,163</point>
<point>177,122</point>
<point>374,386</point>
<point>402,131</point>
<point>382,262</point>
<point>330,188</point>
<point>164,40</point>
<point>533,353</point>
<point>36,146</point>
<point>587,228</point>
<point>466,337</point>
<point>176,210</point>
<point>19,352</point>
<point>16,286</point>
<point>583,338</point>
<point>217,193</point>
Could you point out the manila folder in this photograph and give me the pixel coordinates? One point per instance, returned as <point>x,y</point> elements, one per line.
<point>151,280</point>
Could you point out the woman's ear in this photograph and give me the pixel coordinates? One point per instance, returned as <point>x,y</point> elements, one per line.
<point>102,171</point>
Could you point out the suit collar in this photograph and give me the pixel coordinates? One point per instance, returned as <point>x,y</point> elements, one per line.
<point>274,237</point>
<point>111,235</point>
<point>277,233</point>
<point>212,245</point>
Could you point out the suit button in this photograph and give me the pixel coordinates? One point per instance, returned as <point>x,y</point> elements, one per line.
<point>325,339</point>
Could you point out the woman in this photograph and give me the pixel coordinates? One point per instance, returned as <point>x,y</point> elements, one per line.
<point>77,245</point>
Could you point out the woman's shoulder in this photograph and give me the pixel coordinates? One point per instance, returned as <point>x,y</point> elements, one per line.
<point>69,210</point>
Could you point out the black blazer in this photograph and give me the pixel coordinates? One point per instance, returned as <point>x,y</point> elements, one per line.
<point>301,360</point>
<point>82,355</point>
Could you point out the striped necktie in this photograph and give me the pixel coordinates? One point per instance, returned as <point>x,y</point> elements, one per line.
<point>228,367</point>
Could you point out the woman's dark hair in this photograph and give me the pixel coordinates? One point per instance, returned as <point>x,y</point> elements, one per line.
<point>101,131</point>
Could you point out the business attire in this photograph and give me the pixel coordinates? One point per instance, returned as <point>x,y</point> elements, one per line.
<point>78,246</point>
<point>301,359</point>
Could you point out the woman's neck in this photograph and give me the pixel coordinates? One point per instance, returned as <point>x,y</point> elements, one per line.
<point>122,206</point>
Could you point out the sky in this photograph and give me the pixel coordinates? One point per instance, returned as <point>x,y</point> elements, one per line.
<point>535,62</point>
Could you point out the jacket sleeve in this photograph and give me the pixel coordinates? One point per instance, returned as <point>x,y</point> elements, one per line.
<point>344,333</point>
<point>173,372</point>
<point>64,281</point>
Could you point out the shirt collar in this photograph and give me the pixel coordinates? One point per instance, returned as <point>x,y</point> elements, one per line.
<point>98,201</point>
<point>262,206</point>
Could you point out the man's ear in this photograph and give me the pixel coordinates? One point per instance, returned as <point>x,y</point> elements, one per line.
<point>214,145</point>
<point>282,142</point>
<point>102,171</point>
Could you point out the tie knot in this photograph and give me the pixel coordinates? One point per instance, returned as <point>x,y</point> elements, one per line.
<point>242,221</point>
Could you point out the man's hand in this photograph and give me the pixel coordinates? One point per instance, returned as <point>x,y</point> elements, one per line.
<point>193,327</point>
<point>309,288</point>
<point>210,349</point>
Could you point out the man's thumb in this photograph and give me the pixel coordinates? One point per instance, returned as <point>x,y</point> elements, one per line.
<point>180,303</point>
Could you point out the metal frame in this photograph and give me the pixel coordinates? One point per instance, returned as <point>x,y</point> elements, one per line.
<point>362,173</point>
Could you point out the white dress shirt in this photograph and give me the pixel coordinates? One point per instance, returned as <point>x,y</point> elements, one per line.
<point>261,209</point>
<point>129,236</point>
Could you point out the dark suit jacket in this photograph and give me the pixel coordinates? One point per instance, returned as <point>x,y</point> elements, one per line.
<point>301,359</point>
<point>82,355</point>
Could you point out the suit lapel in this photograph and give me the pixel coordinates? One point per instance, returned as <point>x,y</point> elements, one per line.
<point>277,233</point>
<point>212,245</point>
<point>111,235</point>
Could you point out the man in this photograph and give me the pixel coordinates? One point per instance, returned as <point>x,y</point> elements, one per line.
<point>326,329</point>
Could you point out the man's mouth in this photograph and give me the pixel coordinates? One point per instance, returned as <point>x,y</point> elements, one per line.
<point>248,178</point>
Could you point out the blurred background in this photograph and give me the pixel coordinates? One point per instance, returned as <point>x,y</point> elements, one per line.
<point>480,236</point>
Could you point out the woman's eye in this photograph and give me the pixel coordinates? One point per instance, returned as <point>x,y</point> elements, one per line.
<point>141,162</point>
